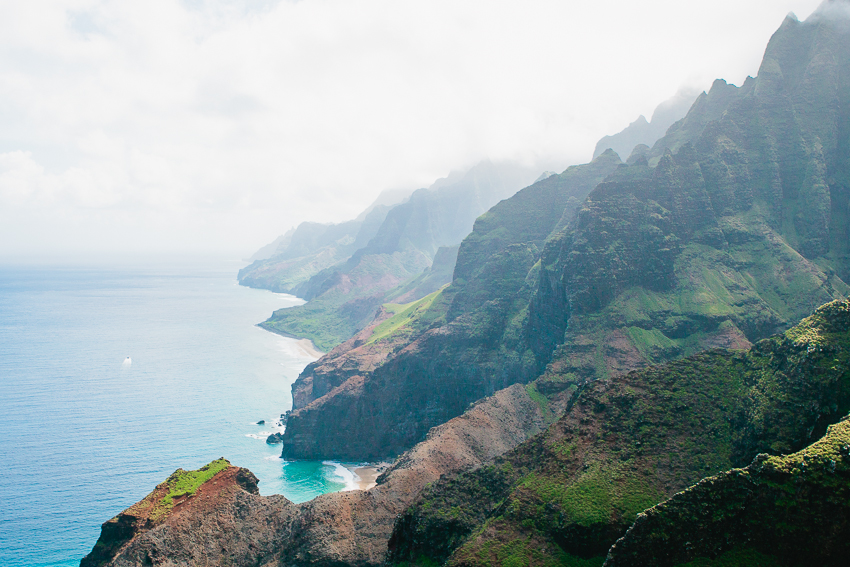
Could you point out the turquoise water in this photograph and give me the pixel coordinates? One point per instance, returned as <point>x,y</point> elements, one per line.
<point>84,435</point>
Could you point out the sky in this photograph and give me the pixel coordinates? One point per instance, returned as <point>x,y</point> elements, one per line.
<point>212,126</point>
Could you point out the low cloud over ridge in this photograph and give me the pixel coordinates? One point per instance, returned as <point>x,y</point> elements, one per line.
<point>214,125</point>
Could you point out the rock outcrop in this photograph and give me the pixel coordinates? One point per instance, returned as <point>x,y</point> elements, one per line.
<point>226,522</point>
<point>195,518</point>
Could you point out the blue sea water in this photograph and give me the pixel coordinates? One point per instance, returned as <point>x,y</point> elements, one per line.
<point>84,435</point>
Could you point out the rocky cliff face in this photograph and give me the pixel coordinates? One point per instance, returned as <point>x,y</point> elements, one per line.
<point>731,228</point>
<point>219,519</point>
<point>629,443</point>
<point>193,518</point>
<point>496,485</point>
<point>439,355</point>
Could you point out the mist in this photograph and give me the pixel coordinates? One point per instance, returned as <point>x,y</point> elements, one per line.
<point>211,127</point>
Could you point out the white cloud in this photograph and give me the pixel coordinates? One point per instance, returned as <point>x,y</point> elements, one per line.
<point>215,125</point>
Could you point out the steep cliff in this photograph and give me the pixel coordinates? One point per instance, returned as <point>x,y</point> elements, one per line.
<point>195,517</point>
<point>215,516</point>
<point>626,444</point>
<point>731,228</point>
<point>562,494</point>
<point>448,349</point>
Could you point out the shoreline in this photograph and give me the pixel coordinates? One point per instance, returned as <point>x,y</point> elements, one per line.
<point>366,476</point>
<point>308,348</point>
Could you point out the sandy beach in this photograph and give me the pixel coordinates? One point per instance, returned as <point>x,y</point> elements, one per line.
<point>307,346</point>
<point>366,476</point>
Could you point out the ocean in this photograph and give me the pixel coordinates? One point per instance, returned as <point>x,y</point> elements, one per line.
<point>84,433</point>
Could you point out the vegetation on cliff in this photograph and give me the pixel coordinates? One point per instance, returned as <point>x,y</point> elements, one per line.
<point>623,313</point>
<point>778,511</point>
<point>396,253</point>
<point>626,444</point>
<point>731,228</point>
<point>466,345</point>
<point>155,509</point>
<point>182,484</point>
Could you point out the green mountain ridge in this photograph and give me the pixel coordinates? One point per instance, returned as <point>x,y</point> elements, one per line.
<point>639,363</point>
<point>738,230</point>
<point>562,494</point>
<point>624,445</point>
<point>643,132</point>
<point>778,511</point>
<point>462,334</point>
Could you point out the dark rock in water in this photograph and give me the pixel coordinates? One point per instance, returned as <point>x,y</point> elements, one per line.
<point>227,522</point>
<point>261,422</point>
<point>274,439</point>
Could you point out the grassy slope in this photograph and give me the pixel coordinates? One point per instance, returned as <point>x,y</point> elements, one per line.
<point>350,301</point>
<point>149,512</point>
<point>779,511</point>
<point>628,444</point>
<point>185,483</point>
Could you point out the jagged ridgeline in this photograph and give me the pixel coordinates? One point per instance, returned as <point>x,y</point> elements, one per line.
<point>782,510</point>
<point>729,229</point>
<point>565,496</point>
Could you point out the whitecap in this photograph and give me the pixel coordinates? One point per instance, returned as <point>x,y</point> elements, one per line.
<point>344,474</point>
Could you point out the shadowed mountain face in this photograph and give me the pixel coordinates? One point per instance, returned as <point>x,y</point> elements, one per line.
<point>626,444</point>
<point>432,358</point>
<point>780,510</point>
<point>732,227</point>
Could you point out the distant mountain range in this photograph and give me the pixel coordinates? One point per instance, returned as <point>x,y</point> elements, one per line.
<point>635,363</point>
<point>386,254</point>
